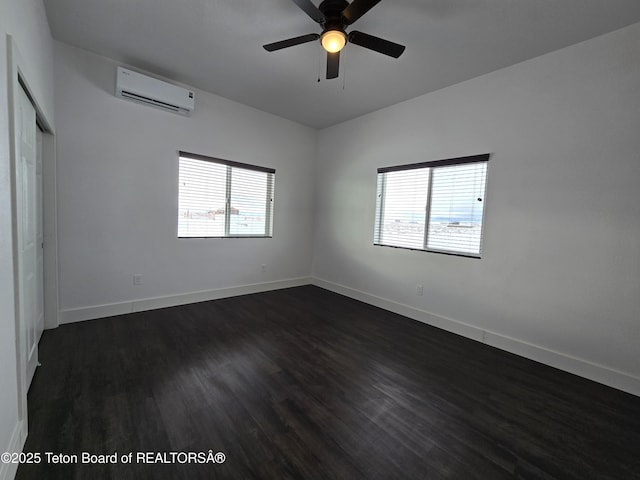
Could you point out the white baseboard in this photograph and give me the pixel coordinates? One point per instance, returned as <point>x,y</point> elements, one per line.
<point>121,308</point>
<point>598,373</point>
<point>16,444</point>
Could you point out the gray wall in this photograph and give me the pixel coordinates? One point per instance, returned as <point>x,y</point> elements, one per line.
<point>117,191</point>
<point>559,278</point>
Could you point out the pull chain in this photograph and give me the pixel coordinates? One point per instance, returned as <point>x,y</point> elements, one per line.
<point>344,68</point>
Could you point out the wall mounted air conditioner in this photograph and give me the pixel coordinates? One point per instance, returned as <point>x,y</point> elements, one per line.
<point>155,93</point>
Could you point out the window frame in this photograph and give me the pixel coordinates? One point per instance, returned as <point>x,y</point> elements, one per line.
<point>228,194</point>
<point>380,194</point>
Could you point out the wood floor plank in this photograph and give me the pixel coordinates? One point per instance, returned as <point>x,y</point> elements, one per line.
<point>303,383</point>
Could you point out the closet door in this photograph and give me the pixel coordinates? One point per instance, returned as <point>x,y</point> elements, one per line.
<point>29,229</point>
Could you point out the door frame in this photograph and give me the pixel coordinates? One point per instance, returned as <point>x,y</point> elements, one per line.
<point>18,78</point>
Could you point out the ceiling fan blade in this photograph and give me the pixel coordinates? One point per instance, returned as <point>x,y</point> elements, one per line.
<point>333,64</point>
<point>271,47</point>
<point>310,9</point>
<point>357,9</point>
<point>377,44</point>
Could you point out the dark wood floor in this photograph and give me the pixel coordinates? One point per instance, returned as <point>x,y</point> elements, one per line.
<point>304,384</point>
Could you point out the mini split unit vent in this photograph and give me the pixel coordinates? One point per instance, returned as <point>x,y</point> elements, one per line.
<point>155,93</point>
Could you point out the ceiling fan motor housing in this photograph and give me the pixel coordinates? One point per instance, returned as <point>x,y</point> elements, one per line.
<point>332,10</point>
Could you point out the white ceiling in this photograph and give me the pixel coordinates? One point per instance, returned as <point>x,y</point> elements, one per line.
<point>216,45</point>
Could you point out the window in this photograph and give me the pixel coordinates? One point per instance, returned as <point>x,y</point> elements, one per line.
<point>220,198</point>
<point>433,206</point>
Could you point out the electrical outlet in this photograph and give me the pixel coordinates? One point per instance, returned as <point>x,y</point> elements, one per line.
<point>137,279</point>
<point>419,290</point>
<point>263,267</point>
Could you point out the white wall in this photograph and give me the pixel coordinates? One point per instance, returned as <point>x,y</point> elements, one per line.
<point>117,192</point>
<point>25,20</point>
<point>561,263</point>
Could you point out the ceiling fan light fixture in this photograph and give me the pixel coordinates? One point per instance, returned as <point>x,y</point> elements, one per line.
<point>333,40</point>
<point>335,16</point>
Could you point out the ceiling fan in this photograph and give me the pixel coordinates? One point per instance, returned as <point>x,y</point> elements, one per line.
<point>334,16</point>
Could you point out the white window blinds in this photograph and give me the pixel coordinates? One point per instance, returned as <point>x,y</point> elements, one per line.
<point>402,199</point>
<point>434,206</point>
<point>221,198</point>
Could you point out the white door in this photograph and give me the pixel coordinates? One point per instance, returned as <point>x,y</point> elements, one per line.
<point>29,245</point>
<point>39,241</point>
